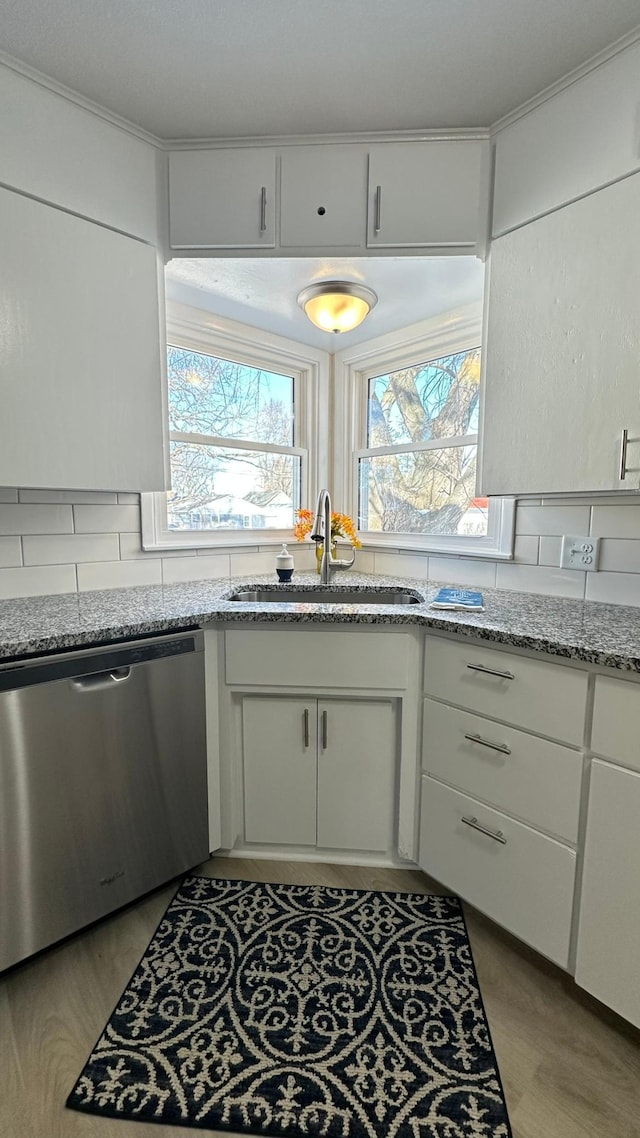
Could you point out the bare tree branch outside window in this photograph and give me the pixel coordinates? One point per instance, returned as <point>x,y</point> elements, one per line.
<point>429,489</point>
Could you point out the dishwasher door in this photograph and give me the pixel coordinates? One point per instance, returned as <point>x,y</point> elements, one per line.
<point>103,783</point>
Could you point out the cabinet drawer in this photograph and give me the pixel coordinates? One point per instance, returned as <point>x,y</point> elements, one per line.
<point>537,780</point>
<point>533,694</point>
<point>526,884</point>
<point>318,659</point>
<point>616,721</point>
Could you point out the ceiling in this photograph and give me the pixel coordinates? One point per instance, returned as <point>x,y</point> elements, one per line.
<point>229,68</point>
<point>263,292</point>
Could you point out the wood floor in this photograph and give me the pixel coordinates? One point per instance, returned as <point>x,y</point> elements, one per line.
<point>570,1070</point>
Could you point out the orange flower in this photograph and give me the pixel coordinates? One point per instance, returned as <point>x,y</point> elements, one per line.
<point>341,526</point>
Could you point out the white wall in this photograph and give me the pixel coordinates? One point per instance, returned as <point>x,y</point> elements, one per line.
<point>63,541</point>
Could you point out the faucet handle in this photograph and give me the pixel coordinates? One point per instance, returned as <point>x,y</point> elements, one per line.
<point>334,563</point>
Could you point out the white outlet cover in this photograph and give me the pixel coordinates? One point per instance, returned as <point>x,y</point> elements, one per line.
<point>580,553</point>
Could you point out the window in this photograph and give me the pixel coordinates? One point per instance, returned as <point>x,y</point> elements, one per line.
<point>231,432</point>
<point>241,409</point>
<point>414,430</point>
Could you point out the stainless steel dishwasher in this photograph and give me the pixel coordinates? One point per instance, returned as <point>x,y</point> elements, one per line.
<point>103,783</point>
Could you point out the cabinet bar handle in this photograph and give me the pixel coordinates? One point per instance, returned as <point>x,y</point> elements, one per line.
<point>497,835</point>
<point>305,720</point>
<point>263,209</point>
<point>501,747</point>
<point>324,731</point>
<point>623,454</point>
<point>376,213</point>
<point>491,671</point>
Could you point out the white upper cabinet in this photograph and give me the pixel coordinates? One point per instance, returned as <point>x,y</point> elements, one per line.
<point>323,195</point>
<point>562,362</point>
<point>80,361</point>
<point>59,152</point>
<point>578,141</point>
<point>427,194</point>
<point>413,195</point>
<point>223,198</point>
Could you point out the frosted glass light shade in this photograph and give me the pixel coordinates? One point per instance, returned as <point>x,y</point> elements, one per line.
<point>337,306</point>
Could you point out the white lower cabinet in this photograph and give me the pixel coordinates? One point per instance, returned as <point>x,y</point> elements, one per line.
<point>609,929</point>
<point>516,875</point>
<point>319,772</point>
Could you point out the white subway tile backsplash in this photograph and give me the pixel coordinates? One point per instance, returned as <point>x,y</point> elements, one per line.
<point>68,497</point>
<point>10,552</point>
<point>453,571</point>
<point>550,550</point>
<point>243,563</point>
<point>525,550</point>
<point>536,520</point>
<point>106,519</point>
<point>615,521</point>
<point>401,564</point>
<point>540,579</point>
<point>20,519</point>
<point>131,549</point>
<point>620,555</point>
<point>195,568</point>
<point>614,588</point>
<point>65,548</point>
<point>37,580</point>
<point>119,574</point>
<point>54,541</point>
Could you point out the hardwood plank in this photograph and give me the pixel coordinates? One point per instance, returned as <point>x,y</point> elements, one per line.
<point>570,1069</point>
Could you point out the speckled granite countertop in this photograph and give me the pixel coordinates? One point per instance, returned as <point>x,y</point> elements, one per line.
<point>607,635</point>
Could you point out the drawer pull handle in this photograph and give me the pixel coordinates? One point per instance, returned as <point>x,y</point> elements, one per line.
<point>305,720</point>
<point>325,734</point>
<point>501,747</point>
<point>491,671</point>
<point>497,835</point>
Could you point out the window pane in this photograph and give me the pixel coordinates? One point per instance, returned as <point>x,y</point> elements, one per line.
<point>221,488</point>
<point>211,396</point>
<point>429,491</point>
<point>433,400</point>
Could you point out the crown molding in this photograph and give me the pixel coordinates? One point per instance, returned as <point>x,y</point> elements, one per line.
<point>71,96</point>
<point>596,61</point>
<point>364,137</point>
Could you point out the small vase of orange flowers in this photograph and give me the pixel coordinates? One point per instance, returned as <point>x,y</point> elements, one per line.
<point>341,526</point>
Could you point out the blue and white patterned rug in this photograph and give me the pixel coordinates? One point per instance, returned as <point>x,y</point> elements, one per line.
<point>302,1010</point>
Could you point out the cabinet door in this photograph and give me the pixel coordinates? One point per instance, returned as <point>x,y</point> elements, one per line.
<point>323,196</point>
<point>609,928</point>
<point>280,763</point>
<point>222,199</point>
<point>356,774</point>
<point>80,359</point>
<point>563,344</point>
<point>425,193</point>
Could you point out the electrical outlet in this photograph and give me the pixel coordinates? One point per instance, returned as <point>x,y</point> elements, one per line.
<point>580,553</point>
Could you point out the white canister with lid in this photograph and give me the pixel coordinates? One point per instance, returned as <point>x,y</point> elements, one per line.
<point>284,565</point>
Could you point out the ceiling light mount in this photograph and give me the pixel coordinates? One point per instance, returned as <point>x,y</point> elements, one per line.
<point>337,306</point>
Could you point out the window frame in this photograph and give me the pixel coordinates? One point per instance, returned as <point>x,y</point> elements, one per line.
<point>353,369</point>
<point>199,331</point>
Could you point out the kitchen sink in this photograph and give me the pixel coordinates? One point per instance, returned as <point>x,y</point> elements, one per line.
<point>324,595</point>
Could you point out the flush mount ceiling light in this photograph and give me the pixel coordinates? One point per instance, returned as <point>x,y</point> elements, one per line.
<point>337,306</point>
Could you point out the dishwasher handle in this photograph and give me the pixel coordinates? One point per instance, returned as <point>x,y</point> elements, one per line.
<point>101,680</point>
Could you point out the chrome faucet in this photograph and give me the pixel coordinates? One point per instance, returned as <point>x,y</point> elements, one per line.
<point>322,532</point>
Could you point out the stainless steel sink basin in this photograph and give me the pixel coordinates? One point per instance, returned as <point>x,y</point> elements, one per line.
<point>327,596</point>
